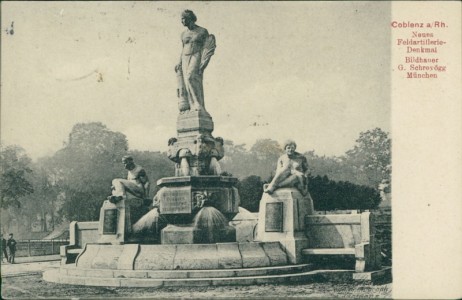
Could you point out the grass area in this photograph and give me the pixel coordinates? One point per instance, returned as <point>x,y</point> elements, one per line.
<point>34,287</point>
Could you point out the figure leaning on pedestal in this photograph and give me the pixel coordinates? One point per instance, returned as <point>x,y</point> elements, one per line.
<point>137,182</point>
<point>291,171</point>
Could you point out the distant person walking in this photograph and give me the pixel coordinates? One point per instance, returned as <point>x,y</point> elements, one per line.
<point>11,244</point>
<point>4,253</point>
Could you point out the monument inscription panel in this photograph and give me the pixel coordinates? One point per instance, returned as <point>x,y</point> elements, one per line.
<point>110,221</point>
<point>177,201</point>
<point>274,217</point>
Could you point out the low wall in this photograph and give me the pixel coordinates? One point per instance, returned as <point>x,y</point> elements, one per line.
<point>245,222</point>
<point>383,229</point>
<point>38,247</point>
<point>82,233</point>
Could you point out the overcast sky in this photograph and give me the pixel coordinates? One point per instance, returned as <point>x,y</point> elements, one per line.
<point>315,72</point>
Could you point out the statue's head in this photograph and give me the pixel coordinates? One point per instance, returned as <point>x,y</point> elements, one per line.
<point>188,16</point>
<point>290,143</point>
<point>172,141</point>
<point>128,162</point>
<point>290,146</point>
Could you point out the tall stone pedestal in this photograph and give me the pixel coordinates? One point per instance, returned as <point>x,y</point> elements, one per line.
<point>195,151</point>
<point>180,199</point>
<point>281,219</point>
<point>116,220</point>
<point>192,123</point>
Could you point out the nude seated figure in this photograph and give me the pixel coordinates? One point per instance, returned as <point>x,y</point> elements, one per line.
<point>291,171</point>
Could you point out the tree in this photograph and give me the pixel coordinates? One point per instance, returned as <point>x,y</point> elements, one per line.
<point>14,183</point>
<point>262,157</point>
<point>84,168</point>
<point>43,201</point>
<point>236,159</point>
<point>266,149</point>
<point>371,156</point>
<point>260,160</point>
<point>250,192</point>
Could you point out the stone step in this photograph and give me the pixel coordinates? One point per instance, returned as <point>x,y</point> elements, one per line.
<point>182,256</point>
<point>329,251</point>
<point>72,270</point>
<point>53,275</point>
<point>75,251</point>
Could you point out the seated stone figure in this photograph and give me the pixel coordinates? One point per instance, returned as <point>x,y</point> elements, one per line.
<point>291,171</point>
<point>137,182</point>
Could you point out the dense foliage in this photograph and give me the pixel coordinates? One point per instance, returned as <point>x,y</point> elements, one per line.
<point>333,195</point>
<point>250,192</point>
<point>14,181</point>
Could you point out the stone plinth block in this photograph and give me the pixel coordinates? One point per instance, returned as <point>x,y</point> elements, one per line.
<point>276,255</point>
<point>173,234</point>
<point>97,256</point>
<point>193,123</point>
<point>229,256</point>
<point>155,257</point>
<point>85,259</point>
<point>196,257</point>
<point>127,258</point>
<point>294,246</point>
<point>282,219</point>
<point>253,255</point>
<point>116,220</point>
<point>245,223</point>
<point>113,223</point>
<point>107,257</point>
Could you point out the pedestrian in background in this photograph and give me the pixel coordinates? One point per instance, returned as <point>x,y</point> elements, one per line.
<point>11,244</point>
<point>4,253</point>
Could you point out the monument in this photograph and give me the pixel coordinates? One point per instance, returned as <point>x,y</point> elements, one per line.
<point>197,194</point>
<point>285,203</point>
<point>186,238</point>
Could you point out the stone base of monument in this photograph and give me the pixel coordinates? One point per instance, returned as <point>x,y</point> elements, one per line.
<point>174,234</point>
<point>198,209</point>
<point>282,219</point>
<point>116,219</point>
<point>249,263</point>
<point>114,222</point>
<point>289,274</point>
<point>181,256</point>
<point>138,265</point>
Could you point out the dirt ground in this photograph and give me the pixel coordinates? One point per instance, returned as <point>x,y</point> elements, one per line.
<point>34,287</point>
